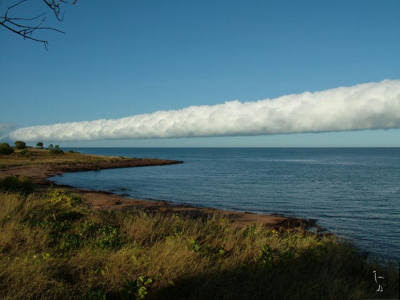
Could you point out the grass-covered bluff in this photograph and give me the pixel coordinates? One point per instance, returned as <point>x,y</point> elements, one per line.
<point>38,164</point>
<point>52,246</point>
<point>53,155</point>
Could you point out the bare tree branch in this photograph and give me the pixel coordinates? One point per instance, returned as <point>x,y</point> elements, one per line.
<point>27,27</point>
<point>25,36</point>
<point>28,19</point>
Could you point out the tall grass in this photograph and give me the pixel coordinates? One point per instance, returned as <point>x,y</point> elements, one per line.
<point>53,247</point>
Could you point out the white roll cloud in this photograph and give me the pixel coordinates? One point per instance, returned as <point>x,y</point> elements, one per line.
<point>364,106</point>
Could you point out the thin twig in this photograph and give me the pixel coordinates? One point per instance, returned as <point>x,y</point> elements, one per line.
<point>21,26</point>
<point>45,43</point>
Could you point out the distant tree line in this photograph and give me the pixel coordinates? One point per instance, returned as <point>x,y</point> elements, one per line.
<point>6,149</point>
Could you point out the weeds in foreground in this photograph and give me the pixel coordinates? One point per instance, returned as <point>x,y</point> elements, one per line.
<point>53,247</point>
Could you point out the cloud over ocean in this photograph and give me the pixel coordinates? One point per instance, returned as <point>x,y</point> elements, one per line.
<point>373,105</point>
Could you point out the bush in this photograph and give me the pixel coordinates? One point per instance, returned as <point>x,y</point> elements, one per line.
<point>6,149</point>
<point>56,150</point>
<point>21,184</point>
<point>24,152</point>
<point>39,145</point>
<point>20,145</point>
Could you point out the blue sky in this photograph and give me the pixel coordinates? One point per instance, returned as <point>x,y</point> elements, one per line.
<point>135,57</point>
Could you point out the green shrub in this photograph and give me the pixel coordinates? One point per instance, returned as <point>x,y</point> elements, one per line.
<point>108,236</point>
<point>16,184</point>
<point>24,152</point>
<point>20,145</point>
<point>73,151</point>
<point>6,149</point>
<point>56,150</point>
<point>39,145</point>
<point>137,289</point>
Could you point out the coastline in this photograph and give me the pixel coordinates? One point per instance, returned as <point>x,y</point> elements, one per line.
<point>79,243</point>
<point>40,173</point>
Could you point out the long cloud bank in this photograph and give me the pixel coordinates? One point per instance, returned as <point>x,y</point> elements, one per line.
<point>364,106</point>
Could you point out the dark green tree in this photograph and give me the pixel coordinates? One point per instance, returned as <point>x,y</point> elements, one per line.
<point>56,150</point>
<point>39,145</point>
<point>20,145</point>
<point>6,149</point>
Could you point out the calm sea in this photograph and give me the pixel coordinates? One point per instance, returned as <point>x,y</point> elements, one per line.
<point>354,192</point>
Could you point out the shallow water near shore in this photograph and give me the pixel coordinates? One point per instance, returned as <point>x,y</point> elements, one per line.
<point>353,192</point>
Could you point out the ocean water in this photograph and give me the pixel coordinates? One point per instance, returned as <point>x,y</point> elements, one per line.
<point>353,192</point>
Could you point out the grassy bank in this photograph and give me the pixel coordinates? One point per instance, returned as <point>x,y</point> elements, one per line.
<point>39,164</point>
<point>53,247</point>
<point>31,156</point>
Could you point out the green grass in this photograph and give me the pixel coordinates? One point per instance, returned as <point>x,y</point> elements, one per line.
<point>53,247</point>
